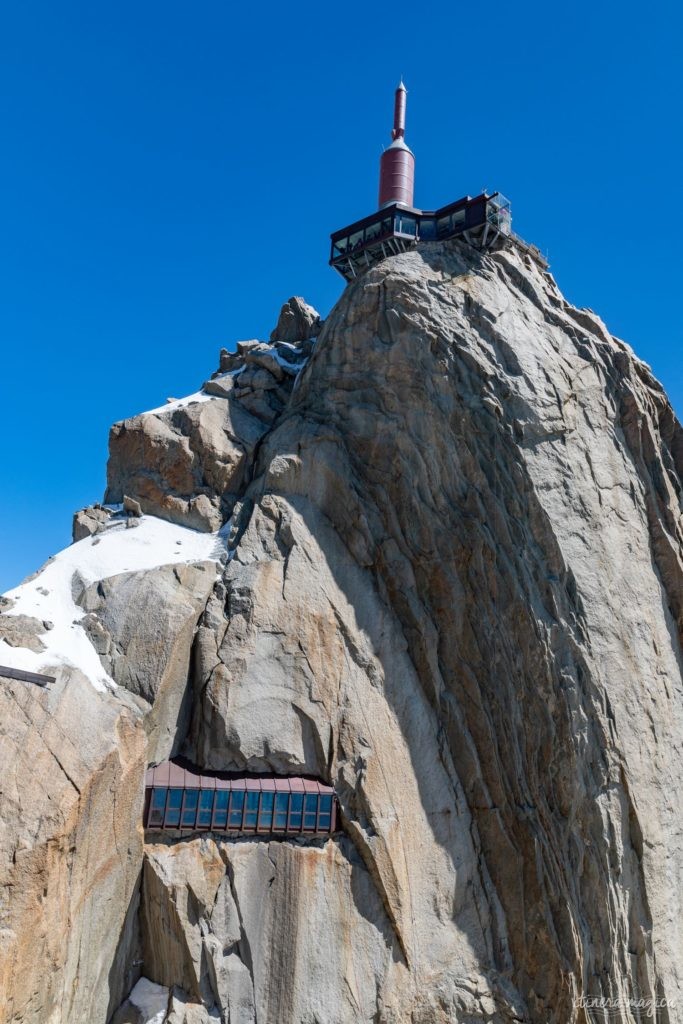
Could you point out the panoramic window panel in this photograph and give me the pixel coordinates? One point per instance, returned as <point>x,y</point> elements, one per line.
<point>265,818</point>
<point>251,814</point>
<point>220,809</point>
<point>373,231</point>
<point>443,227</point>
<point>236,807</point>
<point>173,804</point>
<point>427,228</point>
<point>325,815</point>
<point>296,807</point>
<point>281,808</point>
<point>159,799</point>
<point>205,807</point>
<point>407,225</point>
<point>189,808</point>
<point>157,806</point>
<point>310,812</point>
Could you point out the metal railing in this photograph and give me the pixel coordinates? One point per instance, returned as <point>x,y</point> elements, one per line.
<point>26,677</point>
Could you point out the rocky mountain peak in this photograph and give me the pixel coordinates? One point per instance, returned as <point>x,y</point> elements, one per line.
<point>434,558</point>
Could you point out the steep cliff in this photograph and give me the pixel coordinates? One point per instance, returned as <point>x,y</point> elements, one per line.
<point>450,582</point>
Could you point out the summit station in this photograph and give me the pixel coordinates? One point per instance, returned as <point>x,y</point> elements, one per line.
<point>398,225</point>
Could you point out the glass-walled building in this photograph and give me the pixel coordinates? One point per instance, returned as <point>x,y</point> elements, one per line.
<point>396,228</point>
<point>178,797</point>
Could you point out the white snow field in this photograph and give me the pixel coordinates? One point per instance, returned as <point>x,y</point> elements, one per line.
<point>47,596</point>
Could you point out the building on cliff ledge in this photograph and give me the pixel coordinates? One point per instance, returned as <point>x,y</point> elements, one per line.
<point>398,225</point>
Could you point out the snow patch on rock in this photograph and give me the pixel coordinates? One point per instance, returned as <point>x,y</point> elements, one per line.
<point>151,1000</point>
<point>49,594</point>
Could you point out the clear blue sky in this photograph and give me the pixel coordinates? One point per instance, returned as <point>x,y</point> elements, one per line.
<point>171,172</point>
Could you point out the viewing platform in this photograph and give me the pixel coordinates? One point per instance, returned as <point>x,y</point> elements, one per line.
<point>396,228</point>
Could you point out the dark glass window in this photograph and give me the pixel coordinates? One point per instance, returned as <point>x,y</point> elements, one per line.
<point>156,807</point>
<point>236,805</point>
<point>265,818</point>
<point>220,810</point>
<point>310,812</point>
<point>443,227</point>
<point>458,218</point>
<point>386,226</point>
<point>175,799</point>
<point>295,809</point>
<point>427,228</point>
<point>190,808</point>
<point>205,808</point>
<point>407,225</point>
<point>325,816</point>
<point>252,809</point>
<point>373,231</point>
<point>356,240</point>
<point>281,805</point>
<point>340,246</point>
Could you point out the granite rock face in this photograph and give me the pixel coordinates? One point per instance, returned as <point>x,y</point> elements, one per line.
<point>71,848</point>
<point>454,589</point>
<point>142,625</point>
<point>184,463</point>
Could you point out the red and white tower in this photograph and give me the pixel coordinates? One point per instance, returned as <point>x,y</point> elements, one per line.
<point>397,163</point>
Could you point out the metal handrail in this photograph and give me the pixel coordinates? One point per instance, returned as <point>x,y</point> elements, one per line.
<point>26,677</point>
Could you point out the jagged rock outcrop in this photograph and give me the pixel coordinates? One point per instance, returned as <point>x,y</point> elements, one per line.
<point>453,588</point>
<point>184,463</point>
<point>297,322</point>
<point>189,460</point>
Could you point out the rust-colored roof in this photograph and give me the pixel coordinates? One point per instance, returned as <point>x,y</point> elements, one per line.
<point>176,775</point>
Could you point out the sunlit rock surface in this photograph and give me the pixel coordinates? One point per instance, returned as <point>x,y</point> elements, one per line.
<point>452,585</point>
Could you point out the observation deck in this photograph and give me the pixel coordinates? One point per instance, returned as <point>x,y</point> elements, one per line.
<point>397,228</point>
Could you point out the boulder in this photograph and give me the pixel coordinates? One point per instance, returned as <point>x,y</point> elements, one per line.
<point>221,386</point>
<point>23,631</point>
<point>89,521</point>
<point>255,378</point>
<point>268,360</point>
<point>228,361</point>
<point>184,1011</point>
<point>131,506</point>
